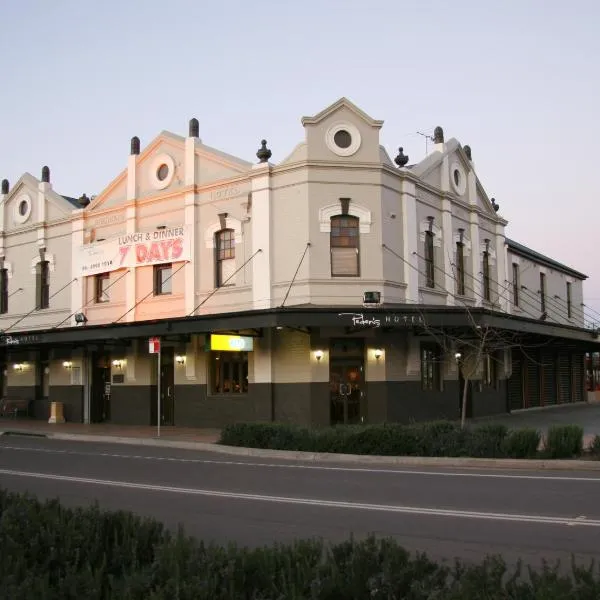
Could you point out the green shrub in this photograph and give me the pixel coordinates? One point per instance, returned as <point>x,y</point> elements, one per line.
<point>564,441</point>
<point>275,436</point>
<point>521,443</point>
<point>487,441</point>
<point>56,553</point>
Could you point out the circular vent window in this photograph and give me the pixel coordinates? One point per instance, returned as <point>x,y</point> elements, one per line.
<point>162,172</point>
<point>23,206</point>
<point>342,138</point>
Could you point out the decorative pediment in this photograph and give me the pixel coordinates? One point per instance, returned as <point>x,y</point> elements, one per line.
<point>342,103</point>
<point>21,205</point>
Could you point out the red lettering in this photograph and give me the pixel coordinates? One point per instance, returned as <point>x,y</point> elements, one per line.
<point>123,250</point>
<point>177,249</point>
<point>165,246</point>
<point>154,253</point>
<point>141,253</point>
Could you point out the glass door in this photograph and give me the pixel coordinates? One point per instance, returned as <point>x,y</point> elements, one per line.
<point>345,384</point>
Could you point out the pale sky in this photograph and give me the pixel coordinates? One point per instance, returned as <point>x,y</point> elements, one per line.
<point>518,80</point>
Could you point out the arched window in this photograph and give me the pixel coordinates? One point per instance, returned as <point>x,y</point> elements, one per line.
<point>224,257</point>
<point>344,246</point>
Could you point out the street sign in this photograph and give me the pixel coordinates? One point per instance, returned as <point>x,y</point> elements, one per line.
<point>154,345</point>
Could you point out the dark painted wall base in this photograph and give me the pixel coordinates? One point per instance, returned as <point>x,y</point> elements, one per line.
<point>408,402</point>
<point>490,401</point>
<point>130,404</point>
<point>72,398</point>
<point>38,408</point>
<point>195,408</point>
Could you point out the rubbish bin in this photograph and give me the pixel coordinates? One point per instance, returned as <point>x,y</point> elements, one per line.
<point>56,412</point>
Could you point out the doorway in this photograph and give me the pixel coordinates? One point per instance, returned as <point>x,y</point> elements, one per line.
<point>42,383</point>
<point>100,388</point>
<point>167,389</point>
<point>345,384</point>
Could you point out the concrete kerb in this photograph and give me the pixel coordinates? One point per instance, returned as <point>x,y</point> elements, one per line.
<point>358,459</point>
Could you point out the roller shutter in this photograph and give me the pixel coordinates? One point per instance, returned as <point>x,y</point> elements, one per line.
<point>549,383</point>
<point>532,380</point>
<point>578,377</point>
<point>564,378</point>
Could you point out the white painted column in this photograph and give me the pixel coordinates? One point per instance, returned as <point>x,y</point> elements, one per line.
<point>261,236</point>
<point>190,216</point>
<point>475,284</point>
<point>43,189</point>
<point>501,274</point>
<point>410,238</point>
<point>448,249</point>
<point>78,288</point>
<point>3,199</point>
<point>131,226</point>
<point>472,186</point>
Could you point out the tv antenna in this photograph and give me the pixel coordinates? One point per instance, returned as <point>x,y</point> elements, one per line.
<point>427,138</point>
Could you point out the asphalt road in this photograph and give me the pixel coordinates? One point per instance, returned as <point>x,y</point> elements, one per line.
<point>446,513</point>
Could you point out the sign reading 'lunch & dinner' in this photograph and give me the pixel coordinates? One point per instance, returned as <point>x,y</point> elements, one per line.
<point>135,250</point>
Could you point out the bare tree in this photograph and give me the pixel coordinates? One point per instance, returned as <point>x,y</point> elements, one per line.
<point>478,345</point>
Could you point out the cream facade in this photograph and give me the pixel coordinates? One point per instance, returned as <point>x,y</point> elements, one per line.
<point>353,284</point>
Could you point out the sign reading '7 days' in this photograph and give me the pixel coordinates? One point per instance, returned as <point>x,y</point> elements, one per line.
<point>135,250</point>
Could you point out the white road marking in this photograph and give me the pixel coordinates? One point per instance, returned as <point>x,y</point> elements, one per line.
<point>413,510</point>
<point>374,471</point>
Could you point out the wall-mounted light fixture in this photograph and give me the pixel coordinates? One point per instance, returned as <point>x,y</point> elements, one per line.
<point>180,359</point>
<point>67,364</point>
<point>319,354</point>
<point>378,353</point>
<point>18,366</point>
<point>80,318</point>
<point>457,356</point>
<point>117,363</point>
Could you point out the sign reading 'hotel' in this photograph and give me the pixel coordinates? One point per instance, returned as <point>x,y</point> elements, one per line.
<point>135,250</point>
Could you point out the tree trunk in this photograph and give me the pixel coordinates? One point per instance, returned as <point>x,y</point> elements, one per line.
<point>465,395</point>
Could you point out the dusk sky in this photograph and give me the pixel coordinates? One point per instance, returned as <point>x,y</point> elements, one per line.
<point>519,81</point>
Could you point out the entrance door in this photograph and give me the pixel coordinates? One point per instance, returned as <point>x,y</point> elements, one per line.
<point>345,383</point>
<point>167,387</point>
<point>100,388</point>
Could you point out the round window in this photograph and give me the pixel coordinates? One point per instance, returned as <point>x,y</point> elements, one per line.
<point>162,172</point>
<point>342,139</point>
<point>456,177</point>
<point>23,206</point>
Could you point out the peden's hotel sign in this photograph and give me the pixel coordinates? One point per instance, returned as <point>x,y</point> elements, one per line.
<point>376,320</point>
<point>135,250</point>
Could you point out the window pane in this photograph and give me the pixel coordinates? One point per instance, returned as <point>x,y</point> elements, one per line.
<point>229,372</point>
<point>344,261</point>
<point>165,281</point>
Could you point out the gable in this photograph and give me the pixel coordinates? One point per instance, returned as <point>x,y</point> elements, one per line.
<point>342,132</point>
<point>213,165</point>
<point>449,170</point>
<point>21,207</point>
<point>160,170</point>
<point>112,196</point>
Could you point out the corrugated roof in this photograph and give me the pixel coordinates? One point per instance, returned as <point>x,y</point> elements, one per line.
<point>543,260</point>
<point>72,201</point>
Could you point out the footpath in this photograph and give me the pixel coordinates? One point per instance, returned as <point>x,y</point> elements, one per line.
<point>205,440</point>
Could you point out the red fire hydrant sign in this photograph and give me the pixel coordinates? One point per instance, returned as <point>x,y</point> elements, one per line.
<point>154,345</point>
